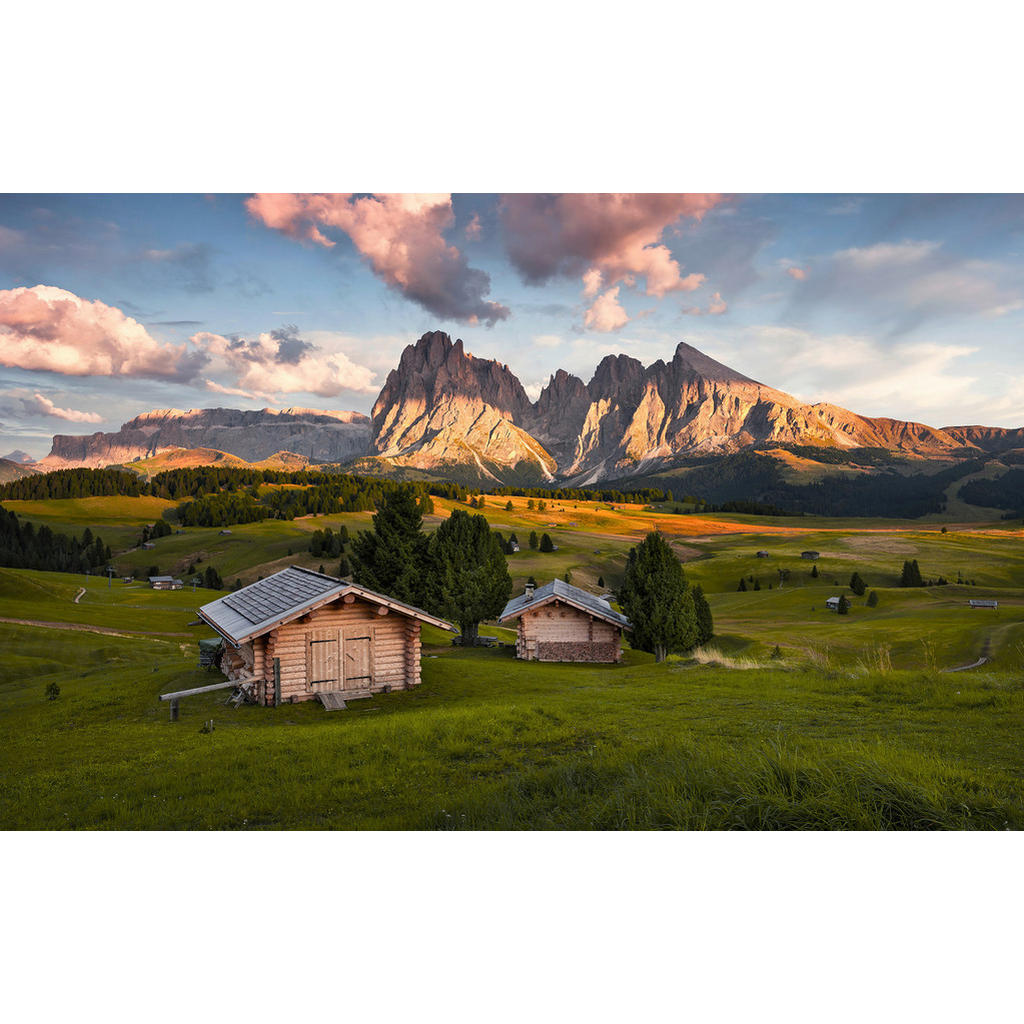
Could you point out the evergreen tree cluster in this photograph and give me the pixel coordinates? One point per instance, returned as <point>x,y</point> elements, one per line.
<point>23,546</point>
<point>911,575</point>
<point>327,543</point>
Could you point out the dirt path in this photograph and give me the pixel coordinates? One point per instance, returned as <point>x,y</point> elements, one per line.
<point>986,653</point>
<point>78,596</point>
<point>83,628</point>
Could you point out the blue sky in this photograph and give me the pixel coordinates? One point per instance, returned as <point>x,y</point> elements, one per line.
<point>907,306</point>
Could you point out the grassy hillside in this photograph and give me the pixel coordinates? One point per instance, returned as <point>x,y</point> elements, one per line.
<point>489,743</point>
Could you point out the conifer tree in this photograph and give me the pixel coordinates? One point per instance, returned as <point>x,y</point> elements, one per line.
<point>545,543</point>
<point>844,605</point>
<point>702,612</point>
<point>533,540</point>
<point>814,572</point>
<point>873,599</point>
<point>743,585</point>
<point>656,599</point>
<point>857,584</point>
<point>468,578</point>
<point>391,557</point>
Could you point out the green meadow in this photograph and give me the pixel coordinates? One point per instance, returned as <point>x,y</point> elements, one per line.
<point>792,716</point>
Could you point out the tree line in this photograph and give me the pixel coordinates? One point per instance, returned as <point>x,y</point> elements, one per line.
<point>24,546</point>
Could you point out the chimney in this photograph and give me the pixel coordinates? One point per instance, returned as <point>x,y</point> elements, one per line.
<point>528,592</point>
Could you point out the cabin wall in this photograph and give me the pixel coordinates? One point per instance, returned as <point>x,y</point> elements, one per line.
<point>560,632</point>
<point>394,649</point>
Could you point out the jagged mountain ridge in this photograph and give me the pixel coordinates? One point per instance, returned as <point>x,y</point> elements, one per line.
<point>443,411</point>
<point>250,434</point>
<point>442,407</point>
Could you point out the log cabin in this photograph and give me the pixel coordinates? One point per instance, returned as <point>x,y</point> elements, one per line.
<point>326,635</point>
<point>560,622</point>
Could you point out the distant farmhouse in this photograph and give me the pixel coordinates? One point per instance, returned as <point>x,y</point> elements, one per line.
<point>832,604</point>
<point>299,635</point>
<point>811,555</point>
<point>762,554</point>
<point>165,583</point>
<point>560,622</point>
<point>976,603</point>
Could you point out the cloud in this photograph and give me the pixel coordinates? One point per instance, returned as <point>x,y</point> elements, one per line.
<point>797,273</point>
<point>716,307</point>
<point>279,362</point>
<point>474,229</point>
<point>401,237</point>
<point>606,313</point>
<point>904,284</point>
<point>22,403</point>
<point>547,340</point>
<point>911,380</point>
<point>47,328</point>
<point>606,239</point>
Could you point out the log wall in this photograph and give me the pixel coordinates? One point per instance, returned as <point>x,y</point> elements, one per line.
<point>560,632</point>
<point>394,649</point>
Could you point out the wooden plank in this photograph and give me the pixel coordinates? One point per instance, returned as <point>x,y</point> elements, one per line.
<point>203,689</point>
<point>332,700</point>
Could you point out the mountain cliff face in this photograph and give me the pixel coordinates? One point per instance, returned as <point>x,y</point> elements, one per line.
<point>444,412</point>
<point>251,435</point>
<point>443,408</point>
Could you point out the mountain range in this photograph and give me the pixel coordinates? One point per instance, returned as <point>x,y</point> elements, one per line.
<point>444,412</point>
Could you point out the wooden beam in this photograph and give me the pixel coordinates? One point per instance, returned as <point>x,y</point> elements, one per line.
<point>202,689</point>
<point>350,599</point>
<point>381,610</point>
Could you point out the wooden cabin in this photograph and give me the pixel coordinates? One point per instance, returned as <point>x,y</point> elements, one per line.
<point>560,622</point>
<point>832,604</point>
<point>165,583</point>
<point>324,635</point>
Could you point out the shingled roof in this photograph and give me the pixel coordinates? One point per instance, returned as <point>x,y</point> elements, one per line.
<point>289,594</point>
<point>559,590</point>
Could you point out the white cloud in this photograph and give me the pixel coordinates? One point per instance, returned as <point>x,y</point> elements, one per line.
<point>21,403</point>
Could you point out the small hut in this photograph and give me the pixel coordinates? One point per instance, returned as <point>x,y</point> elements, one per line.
<point>832,604</point>
<point>560,622</point>
<point>324,634</point>
<point>762,554</point>
<point>165,583</point>
<point>809,555</point>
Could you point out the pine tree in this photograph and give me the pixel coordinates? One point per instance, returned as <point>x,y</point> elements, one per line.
<point>911,575</point>
<point>873,599</point>
<point>468,579</point>
<point>568,576</point>
<point>702,612</point>
<point>844,605</point>
<point>757,584</point>
<point>743,585</point>
<point>600,582</point>
<point>344,569</point>
<point>391,557</point>
<point>508,506</point>
<point>656,599</point>
<point>857,584</point>
<point>533,540</point>
<point>545,543</point>
<point>814,572</point>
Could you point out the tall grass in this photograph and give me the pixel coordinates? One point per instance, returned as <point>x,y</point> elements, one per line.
<point>715,786</point>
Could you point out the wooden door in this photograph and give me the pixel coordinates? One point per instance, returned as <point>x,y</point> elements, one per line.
<point>324,662</point>
<point>358,662</point>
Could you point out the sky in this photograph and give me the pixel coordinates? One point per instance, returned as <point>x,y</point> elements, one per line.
<point>910,306</point>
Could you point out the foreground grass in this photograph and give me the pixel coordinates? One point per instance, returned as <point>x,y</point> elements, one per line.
<point>489,743</point>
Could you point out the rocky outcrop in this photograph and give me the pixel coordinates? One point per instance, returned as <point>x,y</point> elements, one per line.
<point>442,408</point>
<point>323,436</point>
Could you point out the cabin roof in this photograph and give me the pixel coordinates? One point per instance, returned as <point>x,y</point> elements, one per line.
<point>559,590</point>
<point>287,595</point>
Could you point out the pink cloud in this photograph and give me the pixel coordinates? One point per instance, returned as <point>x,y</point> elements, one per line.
<point>797,273</point>
<point>401,237</point>
<point>716,307</point>
<point>46,328</point>
<point>474,229</point>
<point>21,402</point>
<point>279,362</point>
<point>616,234</point>
<point>606,313</point>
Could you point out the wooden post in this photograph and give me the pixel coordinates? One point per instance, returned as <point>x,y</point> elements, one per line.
<point>174,710</point>
<point>277,682</point>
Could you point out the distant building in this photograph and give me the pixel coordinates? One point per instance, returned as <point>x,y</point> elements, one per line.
<point>762,554</point>
<point>225,533</point>
<point>513,548</point>
<point>810,555</point>
<point>127,579</point>
<point>974,603</point>
<point>560,622</point>
<point>832,604</point>
<point>148,546</point>
<point>165,583</point>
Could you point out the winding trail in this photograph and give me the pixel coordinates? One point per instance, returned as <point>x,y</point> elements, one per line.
<point>78,596</point>
<point>83,628</point>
